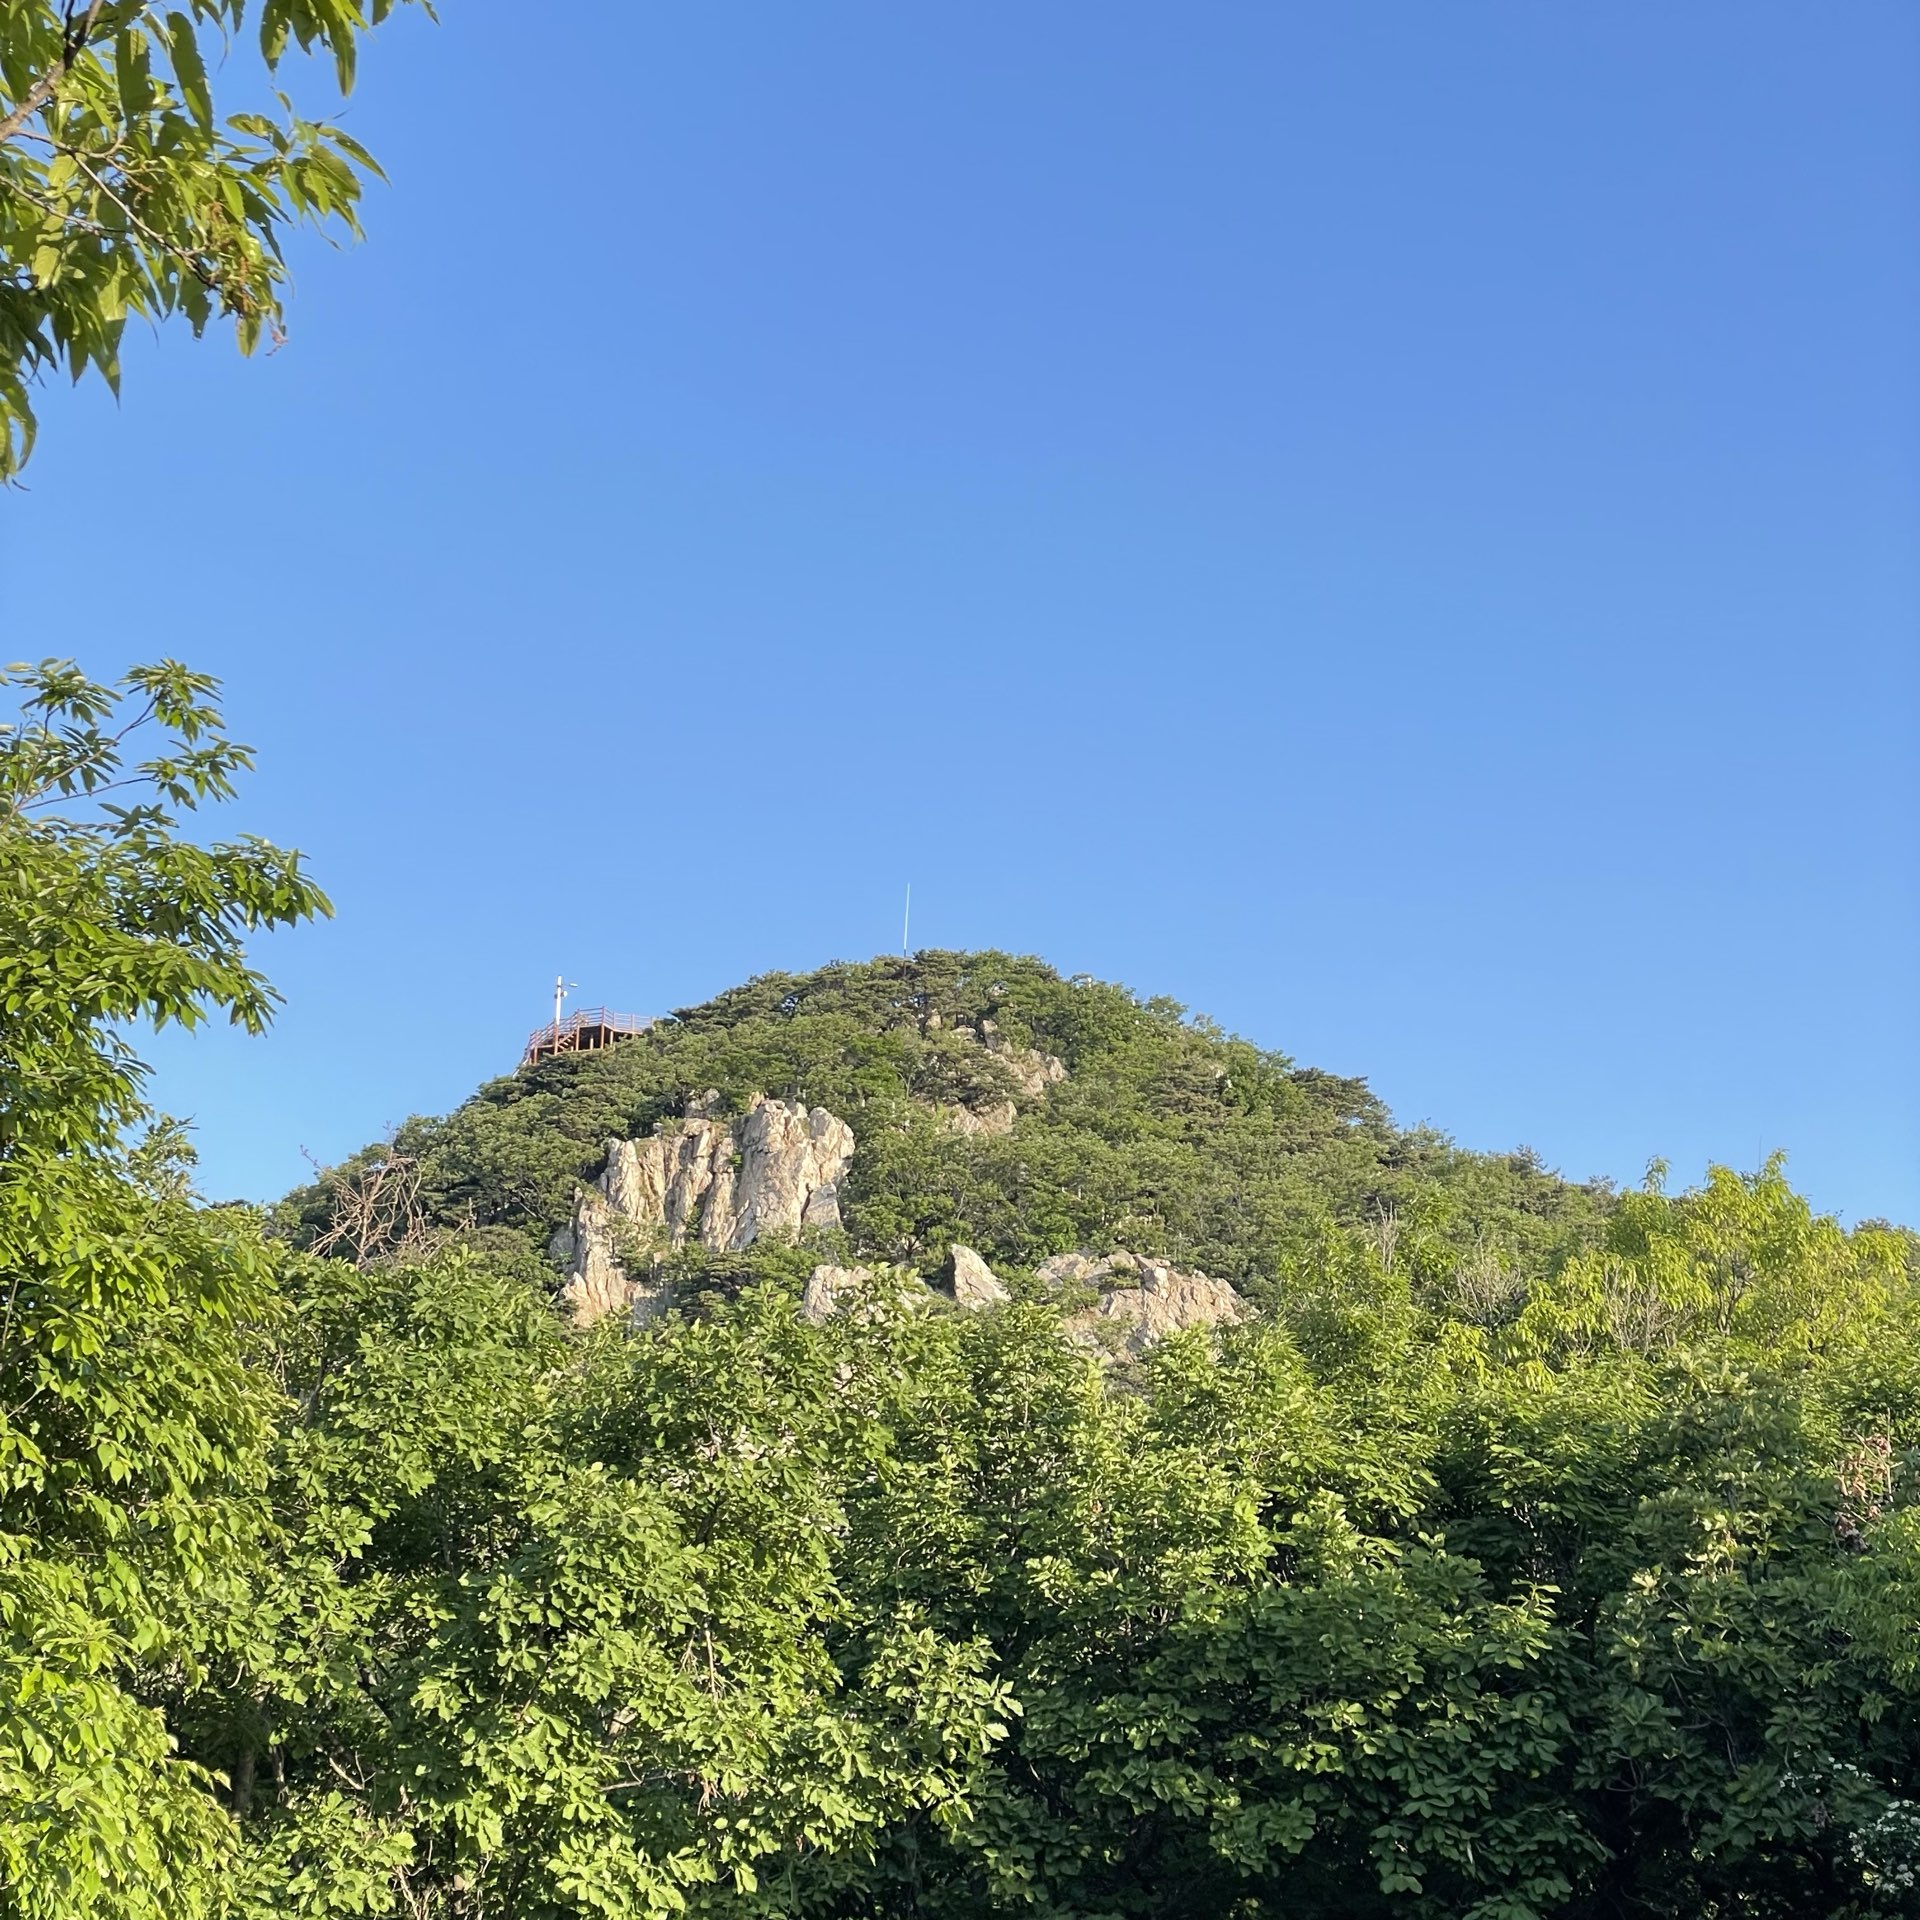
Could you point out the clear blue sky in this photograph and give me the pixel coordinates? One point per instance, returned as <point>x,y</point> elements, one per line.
<point>1395,526</point>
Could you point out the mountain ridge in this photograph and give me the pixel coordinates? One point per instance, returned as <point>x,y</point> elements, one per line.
<point>1002,1106</point>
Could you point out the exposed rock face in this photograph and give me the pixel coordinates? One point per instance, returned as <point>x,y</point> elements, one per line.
<point>1141,1300</point>
<point>827,1288</point>
<point>1033,1072</point>
<point>971,1282</point>
<point>777,1166</point>
<point>791,1161</point>
<point>663,1181</point>
<point>1030,1071</point>
<point>1076,1269</point>
<point>968,1281</point>
<point>597,1282</point>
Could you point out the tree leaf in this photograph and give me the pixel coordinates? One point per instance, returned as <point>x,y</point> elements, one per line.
<point>189,69</point>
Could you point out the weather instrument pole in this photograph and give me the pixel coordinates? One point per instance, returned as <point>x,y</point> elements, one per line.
<point>562,986</point>
<point>906,919</point>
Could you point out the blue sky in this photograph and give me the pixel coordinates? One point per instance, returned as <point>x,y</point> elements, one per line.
<point>1395,526</point>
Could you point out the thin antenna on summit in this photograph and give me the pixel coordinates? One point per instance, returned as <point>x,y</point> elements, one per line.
<point>906,919</point>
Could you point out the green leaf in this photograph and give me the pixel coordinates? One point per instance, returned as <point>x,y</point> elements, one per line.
<point>183,45</point>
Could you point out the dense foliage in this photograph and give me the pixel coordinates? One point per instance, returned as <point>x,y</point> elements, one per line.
<point>134,1442</point>
<point>1536,1551</point>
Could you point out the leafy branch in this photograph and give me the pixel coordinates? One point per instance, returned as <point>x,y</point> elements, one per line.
<point>123,192</point>
<point>75,38</point>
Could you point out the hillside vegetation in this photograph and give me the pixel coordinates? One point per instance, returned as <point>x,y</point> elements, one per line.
<point>1168,1136</point>
<point>1533,1552</point>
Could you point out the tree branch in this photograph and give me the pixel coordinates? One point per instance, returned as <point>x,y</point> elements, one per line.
<point>158,241</point>
<point>42,89</point>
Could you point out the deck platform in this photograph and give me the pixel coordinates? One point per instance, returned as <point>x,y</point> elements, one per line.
<point>586,1030</point>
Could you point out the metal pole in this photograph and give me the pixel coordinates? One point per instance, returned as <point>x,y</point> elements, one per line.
<point>906,919</point>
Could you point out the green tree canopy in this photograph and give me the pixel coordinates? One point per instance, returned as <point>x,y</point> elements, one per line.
<point>1535,1552</point>
<point>133,1440</point>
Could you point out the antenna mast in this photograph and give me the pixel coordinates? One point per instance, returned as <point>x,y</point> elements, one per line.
<point>906,919</point>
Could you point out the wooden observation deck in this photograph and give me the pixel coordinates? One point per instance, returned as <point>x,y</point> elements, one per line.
<point>586,1030</point>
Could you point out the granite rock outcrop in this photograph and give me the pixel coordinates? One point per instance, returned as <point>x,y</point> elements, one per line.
<point>855,1290</point>
<point>1025,1074</point>
<point>726,1182</point>
<point>966,1280</point>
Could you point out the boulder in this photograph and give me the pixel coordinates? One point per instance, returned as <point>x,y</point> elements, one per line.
<point>1141,1300</point>
<point>831,1290</point>
<point>970,1281</point>
<point>827,1287</point>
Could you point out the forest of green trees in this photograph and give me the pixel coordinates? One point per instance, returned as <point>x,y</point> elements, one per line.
<point>1535,1550</point>
<point>1529,1550</point>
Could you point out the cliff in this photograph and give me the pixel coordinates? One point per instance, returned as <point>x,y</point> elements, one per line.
<point>775,1168</point>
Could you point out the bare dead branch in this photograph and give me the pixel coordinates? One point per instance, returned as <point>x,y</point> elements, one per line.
<point>378,1217</point>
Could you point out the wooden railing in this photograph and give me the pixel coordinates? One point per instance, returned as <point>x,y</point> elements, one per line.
<point>566,1036</point>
